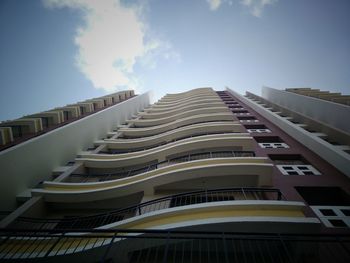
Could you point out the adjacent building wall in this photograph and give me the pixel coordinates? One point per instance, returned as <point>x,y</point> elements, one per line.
<point>325,111</point>
<point>334,156</point>
<point>25,165</point>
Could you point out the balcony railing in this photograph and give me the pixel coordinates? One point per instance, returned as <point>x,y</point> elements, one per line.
<point>81,178</point>
<point>160,246</point>
<point>184,199</point>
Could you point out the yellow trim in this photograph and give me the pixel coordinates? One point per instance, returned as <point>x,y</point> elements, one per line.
<point>197,215</point>
<point>29,246</point>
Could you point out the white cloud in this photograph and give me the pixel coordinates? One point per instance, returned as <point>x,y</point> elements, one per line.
<point>110,42</point>
<point>256,7</point>
<point>214,4</point>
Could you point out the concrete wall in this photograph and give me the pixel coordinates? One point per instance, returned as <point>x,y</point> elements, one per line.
<point>325,111</point>
<point>25,165</point>
<point>332,154</point>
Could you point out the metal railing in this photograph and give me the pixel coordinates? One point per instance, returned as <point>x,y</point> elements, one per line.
<point>123,173</point>
<point>184,199</point>
<point>161,246</point>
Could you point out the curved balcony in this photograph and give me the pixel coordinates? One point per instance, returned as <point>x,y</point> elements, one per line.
<point>172,201</point>
<point>214,211</point>
<point>178,116</point>
<point>129,246</point>
<point>127,172</point>
<point>189,93</point>
<point>182,99</point>
<point>160,153</point>
<point>164,109</point>
<point>192,106</point>
<point>185,101</point>
<point>237,171</point>
<point>154,130</point>
<point>113,147</point>
<point>199,129</point>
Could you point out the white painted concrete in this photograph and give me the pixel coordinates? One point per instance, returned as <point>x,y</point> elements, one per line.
<point>25,165</point>
<point>331,153</point>
<point>331,113</point>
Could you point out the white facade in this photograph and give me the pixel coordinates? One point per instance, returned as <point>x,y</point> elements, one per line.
<point>25,165</point>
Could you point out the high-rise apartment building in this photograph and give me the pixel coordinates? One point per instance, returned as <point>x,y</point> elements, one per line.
<point>200,176</point>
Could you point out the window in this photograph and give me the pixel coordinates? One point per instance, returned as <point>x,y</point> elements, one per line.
<point>241,113</point>
<point>17,131</point>
<point>236,107</point>
<point>66,115</point>
<point>333,216</point>
<point>272,142</point>
<point>273,145</point>
<point>324,196</point>
<point>45,122</point>
<point>247,119</point>
<point>331,204</point>
<point>82,110</point>
<point>259,130</point>
<point>293,164</point>
<point>297,170</point>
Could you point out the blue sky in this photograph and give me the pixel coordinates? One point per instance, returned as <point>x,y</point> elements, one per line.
<point>55,52</point>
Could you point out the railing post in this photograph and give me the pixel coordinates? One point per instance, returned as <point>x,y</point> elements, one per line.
<point>225,247</point>
<point>108,248</point>
<point>139,209</point>
<point>245,197</point>
<point>105,219</point>
<point>166,247</point>
<point>279,195</point>
<point>53,246</point>
<point>285,248</point>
